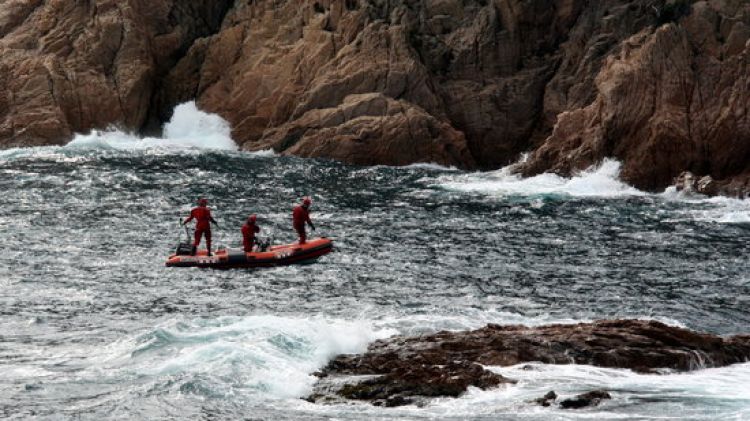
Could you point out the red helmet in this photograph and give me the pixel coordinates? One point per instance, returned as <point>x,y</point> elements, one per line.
<point>202,201</point>
<point>306,201</point>
<point>251,219</point>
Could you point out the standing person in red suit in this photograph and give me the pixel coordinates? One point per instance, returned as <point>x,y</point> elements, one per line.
<point>300,216</point>
<point>203,218</point>
<point>248,233</point>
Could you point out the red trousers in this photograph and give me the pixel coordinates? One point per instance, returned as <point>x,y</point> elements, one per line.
<point>301,232</point>
<point>202,232</point>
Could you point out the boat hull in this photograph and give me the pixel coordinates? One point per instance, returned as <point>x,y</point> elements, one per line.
<point>281,255</point>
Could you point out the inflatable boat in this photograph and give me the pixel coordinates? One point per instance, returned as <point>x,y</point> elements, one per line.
<point>286,254</point>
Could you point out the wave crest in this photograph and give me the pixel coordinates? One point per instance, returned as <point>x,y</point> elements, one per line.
<point>598,181</point>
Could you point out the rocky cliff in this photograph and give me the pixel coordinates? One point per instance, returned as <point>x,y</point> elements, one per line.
<point>662,85</point>
<point>71,66</point>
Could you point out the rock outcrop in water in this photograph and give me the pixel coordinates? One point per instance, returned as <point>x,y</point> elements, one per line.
<point>400,369</point>
<point>662,85</point>
<point>688,182</point>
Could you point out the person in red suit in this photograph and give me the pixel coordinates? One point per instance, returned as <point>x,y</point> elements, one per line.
<point>203,218</point>
<point>249,229</point>
<point>301,216</point>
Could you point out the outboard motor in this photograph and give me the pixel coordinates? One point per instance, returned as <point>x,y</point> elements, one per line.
<point>264,244</point>
<point>187,248</point>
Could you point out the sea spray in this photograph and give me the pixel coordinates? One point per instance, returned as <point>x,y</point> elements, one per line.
<point>720,209</point>
<point>189,127</point>
<point>86,233</point>
<point>598,181</point>
<point>271,355</point>
<point>199,129</point>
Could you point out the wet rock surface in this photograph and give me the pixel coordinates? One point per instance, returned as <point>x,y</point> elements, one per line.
<point>583,400</point>
<point>447,363</point>
<point>738,186</point>
<point>546,400</point>
<point>661,85</point>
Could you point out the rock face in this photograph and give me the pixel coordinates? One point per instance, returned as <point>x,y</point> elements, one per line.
<point>70,66</point>
<point>671,98</point>
<point>662,85</point>
<point>446,363</point>
<point>485,80</point>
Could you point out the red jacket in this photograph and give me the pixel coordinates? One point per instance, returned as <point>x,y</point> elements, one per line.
<point>248,236</point>
<point>300,215</point>
<point>202,217</point>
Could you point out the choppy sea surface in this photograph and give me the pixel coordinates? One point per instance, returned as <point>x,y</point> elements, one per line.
<point>94,326</point>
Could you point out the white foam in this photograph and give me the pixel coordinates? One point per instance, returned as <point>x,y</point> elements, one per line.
<point>597,181</point>
<point>188,128</point>
<point>718,209</point>
<point>271,355</point>
<point>708,394</point>
<point>432,166</point>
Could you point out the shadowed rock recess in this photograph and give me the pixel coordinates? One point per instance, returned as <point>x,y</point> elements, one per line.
<point>662,85</point>
<point>402,370</point>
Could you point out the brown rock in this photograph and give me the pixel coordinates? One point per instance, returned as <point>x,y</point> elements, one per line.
<point>369,129</point>
<point>69,67</point>
<point>661,85</point>
<point>672,99</point>
<point>403,384</point>
<point>445,363</point>
<point>472,77</point>
<point>688,183</point>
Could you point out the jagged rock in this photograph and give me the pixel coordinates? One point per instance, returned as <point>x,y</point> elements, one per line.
<point>402,384</point>
<point>495,73</point>
<point>583,400</point>
<point>687,182</point>
<point>446,363</point>
<point>672,98</point>
<point>737,186</point>
<point>69,67</point>
<point>547,399</point>
<point>365,128</point>
<point>662,85</point>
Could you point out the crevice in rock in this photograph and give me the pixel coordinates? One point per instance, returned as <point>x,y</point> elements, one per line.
<point>210,16</point>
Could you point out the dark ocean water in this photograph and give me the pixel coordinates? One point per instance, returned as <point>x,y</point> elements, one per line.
<point>94,326</point>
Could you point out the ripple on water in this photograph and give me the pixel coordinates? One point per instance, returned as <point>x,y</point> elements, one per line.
<point>418,249</point>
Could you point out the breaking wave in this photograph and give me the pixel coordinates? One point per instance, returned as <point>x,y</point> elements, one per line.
<point>598,181</point>
<point>268,355</point>
<point>724,210</point>
<point>188,128</point>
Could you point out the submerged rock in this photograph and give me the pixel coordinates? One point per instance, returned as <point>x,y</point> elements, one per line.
<point>447,363</point>
<point>547,399</point>
<point>592,398</point>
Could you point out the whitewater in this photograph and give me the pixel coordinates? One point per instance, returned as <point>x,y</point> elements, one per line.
<point>95,327</point>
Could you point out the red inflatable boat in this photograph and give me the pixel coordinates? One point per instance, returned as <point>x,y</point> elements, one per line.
<point>286,254</point>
